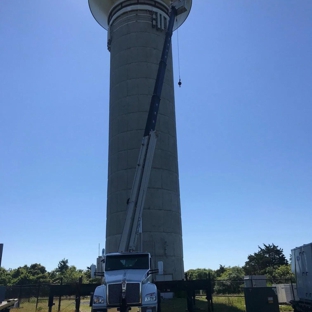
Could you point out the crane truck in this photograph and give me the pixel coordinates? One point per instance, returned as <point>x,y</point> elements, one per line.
<point>301,266</point>
<point>127,278</point>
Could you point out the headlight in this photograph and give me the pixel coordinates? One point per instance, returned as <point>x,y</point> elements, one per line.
<point>150,297</point>
<point>98,299</point>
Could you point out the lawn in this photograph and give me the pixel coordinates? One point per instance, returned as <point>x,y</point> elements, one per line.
<point>221,304</point>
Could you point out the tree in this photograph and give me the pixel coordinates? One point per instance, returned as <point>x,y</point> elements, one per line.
<point>20,276</point>
<point>71,275</point>
<point>220,271</point>
<point>68,274</point>
<point>38,273</point>
<point>86,277</point>
<point>230,281</point>
<point>5,277</point>
<point>281,275</point>
<point>33,274</point>
<point>62,266</point>
<point>199,274</point>
<point>37,269</point>
<point>268,258</point>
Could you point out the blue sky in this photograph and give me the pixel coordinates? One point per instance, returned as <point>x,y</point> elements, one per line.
<point>243,121</point>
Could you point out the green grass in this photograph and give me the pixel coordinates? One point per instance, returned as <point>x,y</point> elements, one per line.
<point>67,305</point>
<point>285,308</point>
<point>221,304</point>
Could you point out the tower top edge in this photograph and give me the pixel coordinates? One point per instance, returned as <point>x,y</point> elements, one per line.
<point>102,10</point>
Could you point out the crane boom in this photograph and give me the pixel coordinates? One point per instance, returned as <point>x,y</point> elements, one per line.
<point>133,222</point>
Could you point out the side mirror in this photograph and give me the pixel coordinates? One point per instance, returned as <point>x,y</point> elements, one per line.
<point>154,271</point>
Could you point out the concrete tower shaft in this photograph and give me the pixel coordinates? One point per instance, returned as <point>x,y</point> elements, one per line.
<point>136,32</point>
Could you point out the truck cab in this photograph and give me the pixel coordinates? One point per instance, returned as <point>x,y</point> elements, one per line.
<point>127,284</point>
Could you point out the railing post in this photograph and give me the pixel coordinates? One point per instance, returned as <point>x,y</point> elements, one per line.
<point>78,294</point>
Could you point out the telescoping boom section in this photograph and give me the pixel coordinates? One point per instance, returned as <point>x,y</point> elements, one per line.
<point>133,223</point>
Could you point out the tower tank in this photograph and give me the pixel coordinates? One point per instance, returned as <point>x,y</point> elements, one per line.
<point>135,37</point>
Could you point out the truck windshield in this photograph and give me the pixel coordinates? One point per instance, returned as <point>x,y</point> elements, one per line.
<point>123,262</point>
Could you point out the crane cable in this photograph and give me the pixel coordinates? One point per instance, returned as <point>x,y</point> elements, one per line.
<point>178,45</point>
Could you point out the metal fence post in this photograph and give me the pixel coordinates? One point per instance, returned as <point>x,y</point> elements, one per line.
<point>78,294</point>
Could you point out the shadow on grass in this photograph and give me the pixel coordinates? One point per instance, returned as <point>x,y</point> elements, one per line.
<point>179,305</point>
<point>221,307</point>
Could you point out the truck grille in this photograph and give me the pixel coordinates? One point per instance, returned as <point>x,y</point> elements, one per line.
<point>132,293</point>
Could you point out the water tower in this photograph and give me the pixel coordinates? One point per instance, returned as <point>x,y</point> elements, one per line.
<point>135,37</point>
